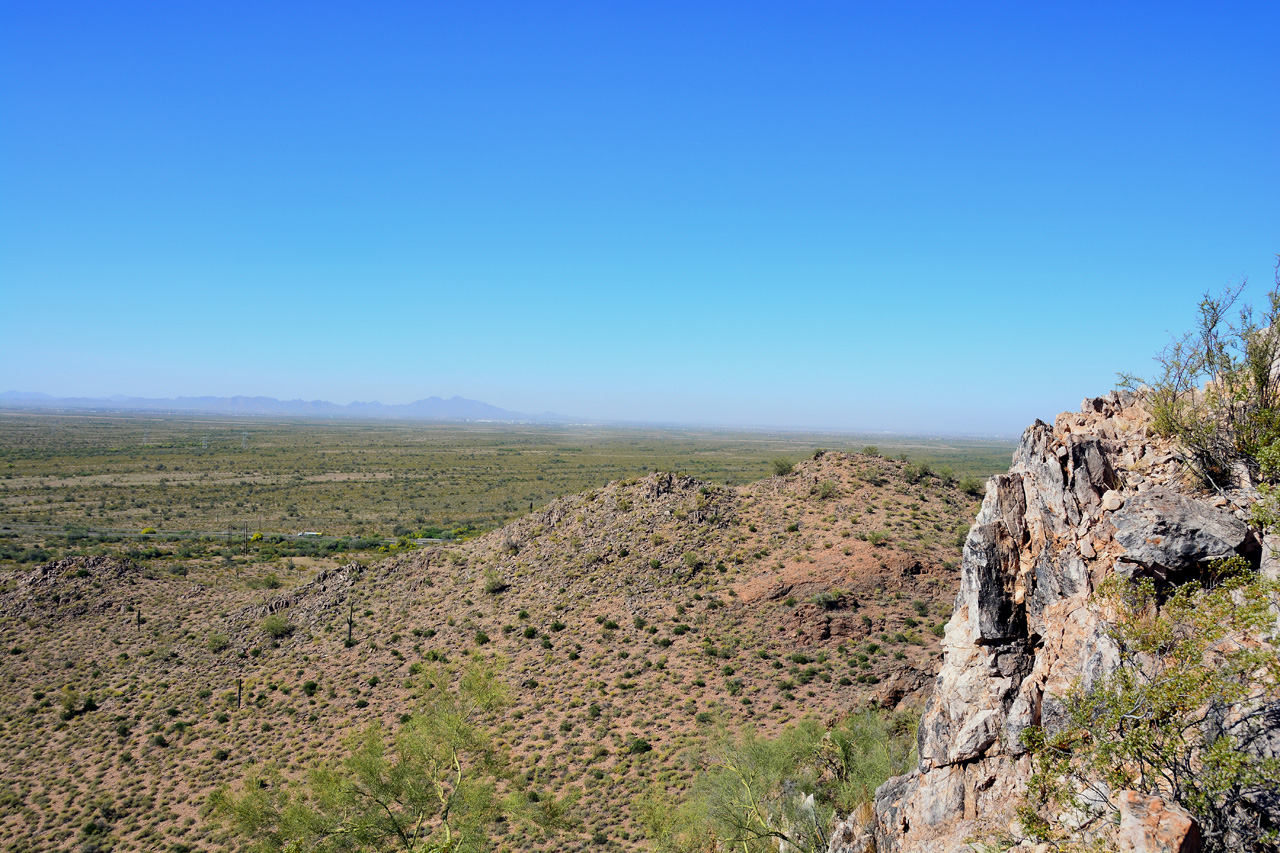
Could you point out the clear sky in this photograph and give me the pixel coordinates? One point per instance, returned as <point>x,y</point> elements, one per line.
<point>950,217</point>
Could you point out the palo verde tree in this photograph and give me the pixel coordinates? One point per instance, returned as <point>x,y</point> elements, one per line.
<point>760,795</point>
<point>431,786</point>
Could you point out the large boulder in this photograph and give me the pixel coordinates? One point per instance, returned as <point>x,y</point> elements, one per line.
<point>1163,532</point>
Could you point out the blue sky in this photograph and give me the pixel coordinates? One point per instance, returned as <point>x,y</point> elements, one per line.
<point>915,217</point>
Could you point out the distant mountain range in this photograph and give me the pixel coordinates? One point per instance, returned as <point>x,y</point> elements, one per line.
<point>432,408</point>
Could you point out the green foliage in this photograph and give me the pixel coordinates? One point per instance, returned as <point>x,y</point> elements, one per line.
<point>276,626</point>
<point>782,466</point>
<point>91,477</point>
<point>914,472</point>
<point>1178,715</point>
<point>870,747</point>
<point>1217,391</point>
<point>758,793</point>
<point>218,642</point>
<point>493,582</point>
<point>973,486</point>
<point>430,786</point>
<point>825,600</point>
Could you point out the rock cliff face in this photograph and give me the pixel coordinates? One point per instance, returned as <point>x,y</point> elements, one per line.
<point>1093,494</point>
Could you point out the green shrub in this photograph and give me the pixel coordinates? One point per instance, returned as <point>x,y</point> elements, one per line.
<point>218,643</point>
<point>493,583</point>
<point>825,600</point>
<point>782,466</point>
<point>1164,721</point>
<point>750,797</point>
<point>277,627</point>
<point>1217,392</point>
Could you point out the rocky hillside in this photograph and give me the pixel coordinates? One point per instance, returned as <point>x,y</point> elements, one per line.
<point>633,620</point>
<point>1094,494</point>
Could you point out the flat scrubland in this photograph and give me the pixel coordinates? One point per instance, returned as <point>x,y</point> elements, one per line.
<point>67,482</point>
<point>644,607</point>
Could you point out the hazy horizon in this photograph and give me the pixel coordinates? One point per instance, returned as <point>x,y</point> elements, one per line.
<point>928,219</point>
<point>544,417</point>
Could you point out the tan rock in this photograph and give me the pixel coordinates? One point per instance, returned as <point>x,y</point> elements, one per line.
<point>1112,501</point>
<point>1150,825</point>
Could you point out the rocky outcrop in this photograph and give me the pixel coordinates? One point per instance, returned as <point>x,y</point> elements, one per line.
<point>71,586</point>
<point>309,604</point>
<point>1092,494</point>
<point>1163,532</point>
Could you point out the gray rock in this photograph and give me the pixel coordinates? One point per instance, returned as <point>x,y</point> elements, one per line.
<point>991,562</point>
<point>1091,472</point>
<point>1162,531</point>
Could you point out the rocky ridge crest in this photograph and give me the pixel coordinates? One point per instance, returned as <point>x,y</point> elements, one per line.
<point>1096,493</point>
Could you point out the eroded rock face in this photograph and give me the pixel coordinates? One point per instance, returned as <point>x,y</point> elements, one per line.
<point>1093,494</point>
